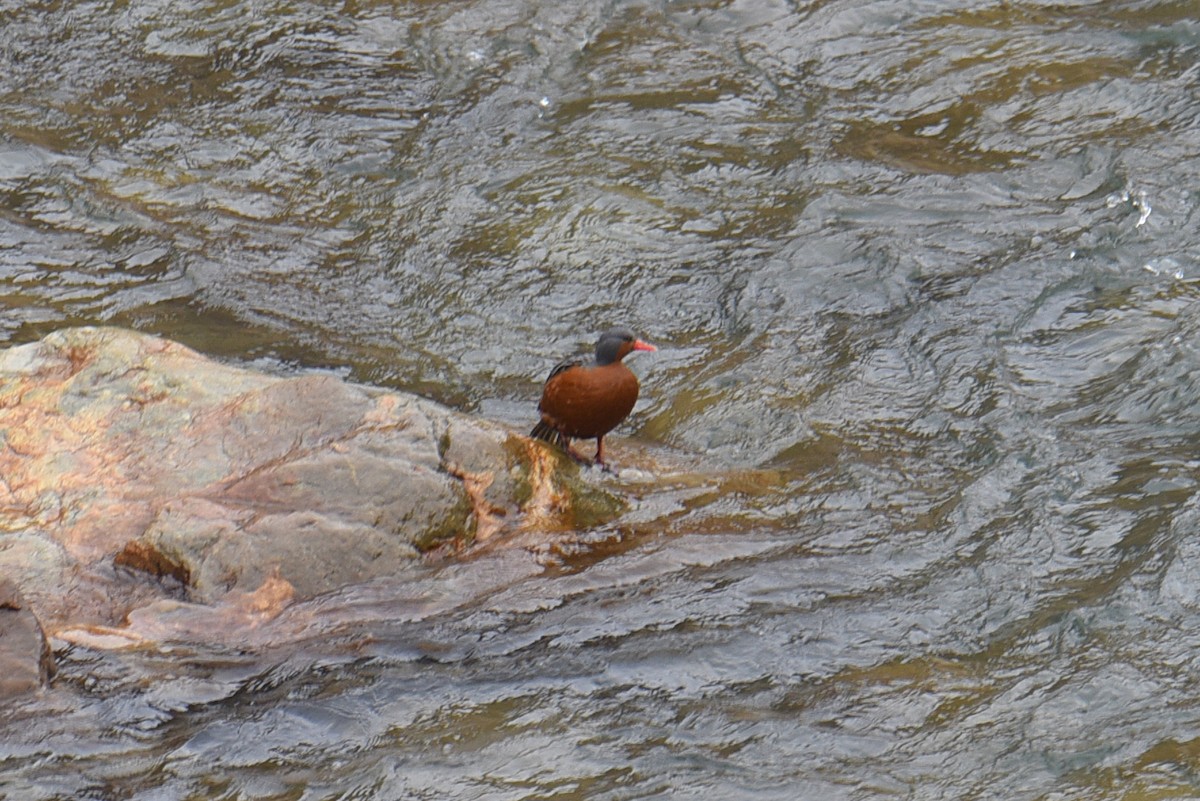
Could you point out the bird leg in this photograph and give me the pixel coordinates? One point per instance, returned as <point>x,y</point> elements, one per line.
<point>600,455</point>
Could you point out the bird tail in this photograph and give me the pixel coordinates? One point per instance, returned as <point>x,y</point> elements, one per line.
<point>545,431</point>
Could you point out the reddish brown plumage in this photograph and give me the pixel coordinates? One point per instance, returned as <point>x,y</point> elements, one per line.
<point>586,399</point>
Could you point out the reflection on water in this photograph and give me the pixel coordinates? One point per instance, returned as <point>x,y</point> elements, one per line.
<point>926,282</point>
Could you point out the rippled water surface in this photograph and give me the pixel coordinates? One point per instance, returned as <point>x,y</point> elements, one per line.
<point>925,281</point>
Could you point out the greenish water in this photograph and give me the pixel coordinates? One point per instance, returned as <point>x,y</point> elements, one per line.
<point>924,279</point>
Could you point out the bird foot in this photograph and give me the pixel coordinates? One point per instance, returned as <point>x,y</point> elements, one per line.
<point>586,462</point>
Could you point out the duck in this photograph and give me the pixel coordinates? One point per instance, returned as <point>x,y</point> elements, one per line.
<point>586,398</point>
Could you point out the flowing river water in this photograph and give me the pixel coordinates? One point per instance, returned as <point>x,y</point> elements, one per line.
<point>925,279</point>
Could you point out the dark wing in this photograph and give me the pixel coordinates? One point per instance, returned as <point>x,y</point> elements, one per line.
<point>567,364</point>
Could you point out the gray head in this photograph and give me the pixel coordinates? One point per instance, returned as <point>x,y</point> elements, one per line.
<point>615,343</point>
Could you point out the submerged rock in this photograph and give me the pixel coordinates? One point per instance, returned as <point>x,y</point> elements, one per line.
<point>25,660</point>
<point>135,471</point>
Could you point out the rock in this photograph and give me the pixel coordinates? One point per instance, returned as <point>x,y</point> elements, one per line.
<point>26,664</point>
<point>135,472</point>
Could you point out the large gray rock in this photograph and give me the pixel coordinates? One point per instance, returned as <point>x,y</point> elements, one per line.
<point>135,471</point>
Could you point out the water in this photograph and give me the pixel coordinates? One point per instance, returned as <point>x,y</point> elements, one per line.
<point>924,280</point>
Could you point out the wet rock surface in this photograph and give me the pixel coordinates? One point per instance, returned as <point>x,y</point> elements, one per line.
<point>138,472</point>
